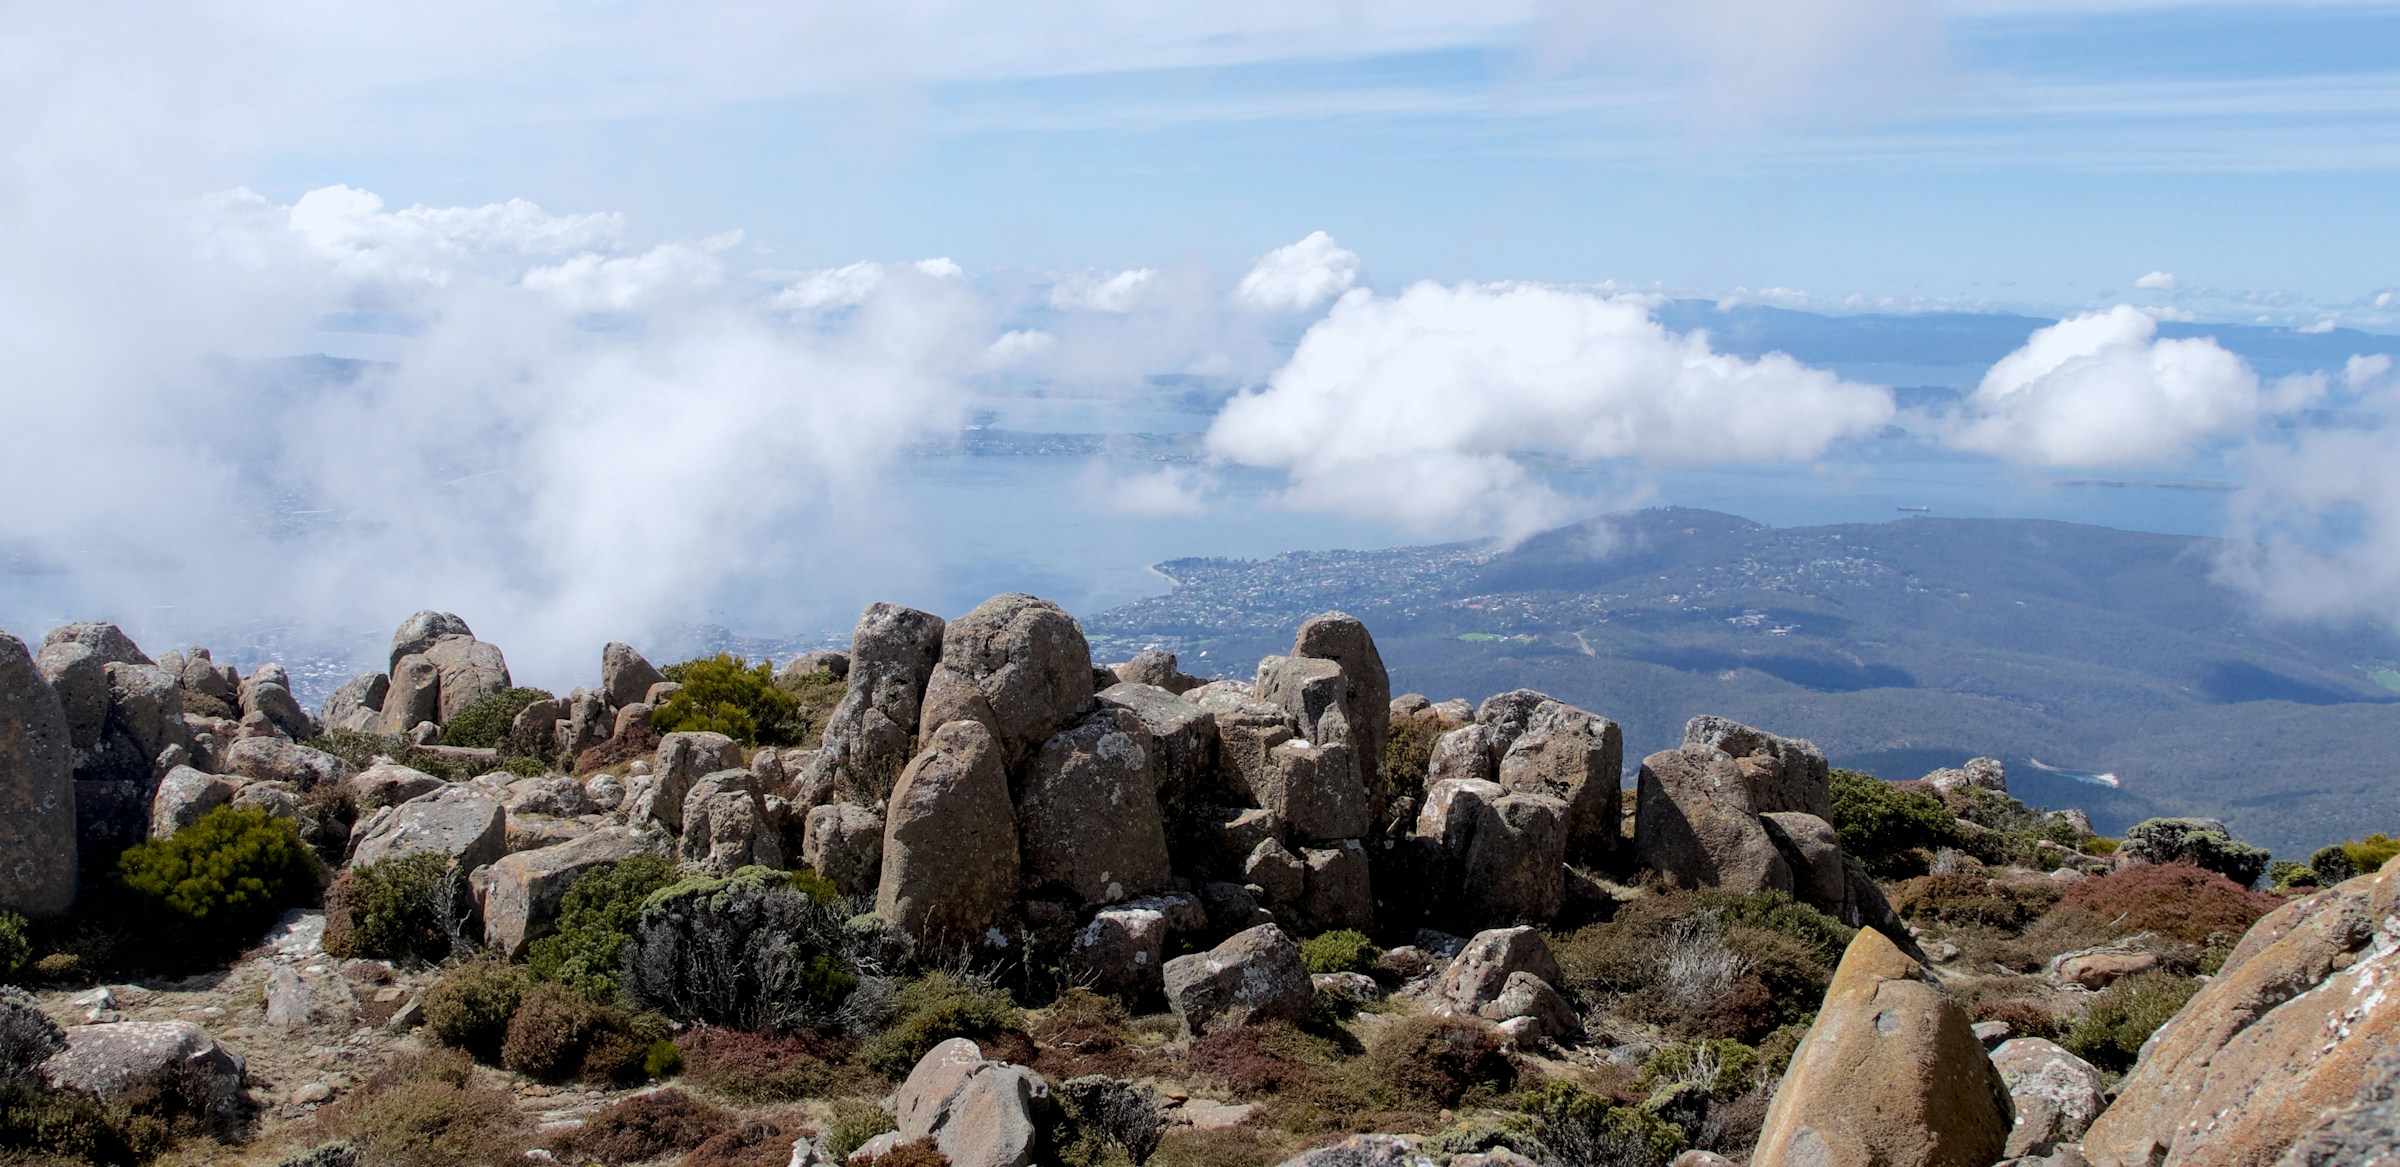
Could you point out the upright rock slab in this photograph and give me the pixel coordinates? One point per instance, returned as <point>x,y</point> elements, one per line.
<point>1366,691</point>
<point>1695,822</point>
<point>1579,759</point>
<point>37,790</point>
<point>950,841</point>
<point>1016,663</point>
<point>626,675</point>
<point>892,655</point>
<point>1890,1075</point>
<point>1088,821</point>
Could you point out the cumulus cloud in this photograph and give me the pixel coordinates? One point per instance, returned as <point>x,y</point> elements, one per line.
<point>1417,407</point>
<point>2316,522</point>
<point>1299,277</point>
<point>2102,389</point>
<point>1088,292</point>
<point>2157,281</point>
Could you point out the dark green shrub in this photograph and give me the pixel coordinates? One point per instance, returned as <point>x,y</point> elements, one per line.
<point>1775,1050</point>
<point>426,1110</point>
<point>549,1032</point>
<point>215,885</point>
<point>2284,875</point>
<point>1107,1121</point>
<point>932,1009</point>
<point>405,908</point>
<point>2371,853</point>
<point>2124,1015</point>
<point>358,749</point>
<point>1342,950</point>
<point>2198,842</point>
<point>644,1127</point>
<point>1574,1125</point>
<point>595,923</point>
<point>1407,755</point>
<point>725,695</point>
<point>1775,911</point>
<point>469,1008</point>
<point>485,724</point>
<point>2333,865</point>
<point>1888,829</point>
<point>750,951</point>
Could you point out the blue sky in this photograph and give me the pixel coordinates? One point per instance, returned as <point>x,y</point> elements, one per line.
<point>2035,156</point>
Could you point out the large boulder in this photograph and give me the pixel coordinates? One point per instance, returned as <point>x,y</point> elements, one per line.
<point>1314,788</point>
<point>1696,823</point>
<point>725,825</point>
<point>460,822</point>
<point>1480,972</point>
<point>274,759</point>
<point>74,658</point>
<point>1384,1151</point>
<point>111,1061</point>
<point>1157,668</point>
<point>1813,851</point>
<point>979,1113</point>
<point>683,759</point>
<point>1088,822</point>
<point>470,669</point>
<point>626,675</point>
<point>1016,663</point>
<point>1890,1075</point>
<point>843,842</point>
<point>1121,950</point>
<point>2284,1034</point>
<point>1782,773</point>
<point>356,707</point>
<point>892,655</point>
<point>145,705</point>
<point>1185,737</point>
<point>1366,691</point>
<point>1339,892</point>
<point>2055,1094</point>
<point>183,796</point>
<point>37,790</point>
<point>269,695</point>
<point>950,867</point>
<point>2364,1133</point>
<point>1248,732</point>
<point>424,630</point>
<point>1256,975</point>
<point>388,783</point>
<point>1504,854</point>
<point>522,892</point>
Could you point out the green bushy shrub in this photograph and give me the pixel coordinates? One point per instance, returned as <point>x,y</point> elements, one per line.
<point>405,908</point>
<point>485,724</point>
<point>1775,911</point>
<point>1339,951</point>
<point>1574,1125</point>
<point>1433,1062</point>
<point>723,694</point>
<point>1957,898</point>
<point>2285,875</point>
<point>853,1123</point>
<point>2332,865</point>
<point>595,921</point>
<point>1408,755</point>
<point>1726,1068</point>
<point>16,947</point>
<point>815,695</point>
<point>2345,861</point>
<point>932,1009</point>
<point>2199,843</point>
<point>470,1007</point>
<point>751,950</point>
<point>215,885</point>
<point>2124,1015</point>
<point>1889,829</point>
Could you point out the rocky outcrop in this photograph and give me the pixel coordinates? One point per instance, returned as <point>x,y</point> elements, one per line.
<point>1256,975</point>
<point>950,867</point>
<point>1017,664</point>
<point>356,707</point>
<point>1696,822</point>
<point>725,825</point>
<point>979,1113</point>
<point>2055,1094</point>
<point>1977,774</point>
<point>2364,1133</point>
<point>1890,1075</point>
<point>843,842</point>
<point>108,1061</point>
<point>422,631</point>
<point>626,675</point>
<point>2200,842</point>
<point>273,759</point>
<point>1087,814</point>
<point>683,759</point>
<point>470,670</point>
<point>1377,1151</point>
<point>1577,758</point>
<point>1184,741</point>
<point>1480,972</point>
<point>413,696</point>
<point>1366,693</point>
<point>388,783</point>
<point>1156,668</point>
<point>892,655</point>
<point>1504,854</point>
<point>37,790</point>
<point>2284,1034</point>
<point>522,892</point>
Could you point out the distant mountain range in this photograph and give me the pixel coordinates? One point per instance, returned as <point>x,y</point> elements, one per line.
<point>1899,647</point>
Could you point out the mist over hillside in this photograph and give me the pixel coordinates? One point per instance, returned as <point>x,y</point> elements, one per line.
<point>1898,647</point>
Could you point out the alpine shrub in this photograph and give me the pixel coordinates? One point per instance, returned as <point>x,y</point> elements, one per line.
<point>2332,865</point>
<point>2371,853</point>
<point>932,1009</point>
<point>485,724</point>
<point>749,950</point>
<point>753,1067</point>
<point>549,1032</point>
<point>1574,1125</point>
<point>470,1007</point>
<point>1339,951</point>
<point>1408,755</point>
<point>217,884</point>
<point>2199,842</point>
<point>853,1123</point>
<point>1957,898</point>
<point>16,950</point>
<point>427,1110</point>
<point>1434,1062</point>
<point>753,1144</point>
<point>1108,1120</point>
<point>2174,900</point>
<point>1726,1068</point>
<point>1887,828</point>
<point>2124,1015</point>
<point>595,921</point>
<point>728,696</point>
<point>405,908</point>
<point>644,1127</point>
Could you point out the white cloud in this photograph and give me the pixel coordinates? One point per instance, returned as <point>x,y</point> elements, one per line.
<point>1017,346</point>
<point>1299,277</point>
<point>848,286</point>
<point>1413,407</point>
<point>1088,292</point>
<point>2316,524</point>
<point>2157,281</point>
<point>2100,389</point>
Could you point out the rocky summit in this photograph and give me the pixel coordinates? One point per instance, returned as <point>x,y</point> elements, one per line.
<point>961,894</point>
